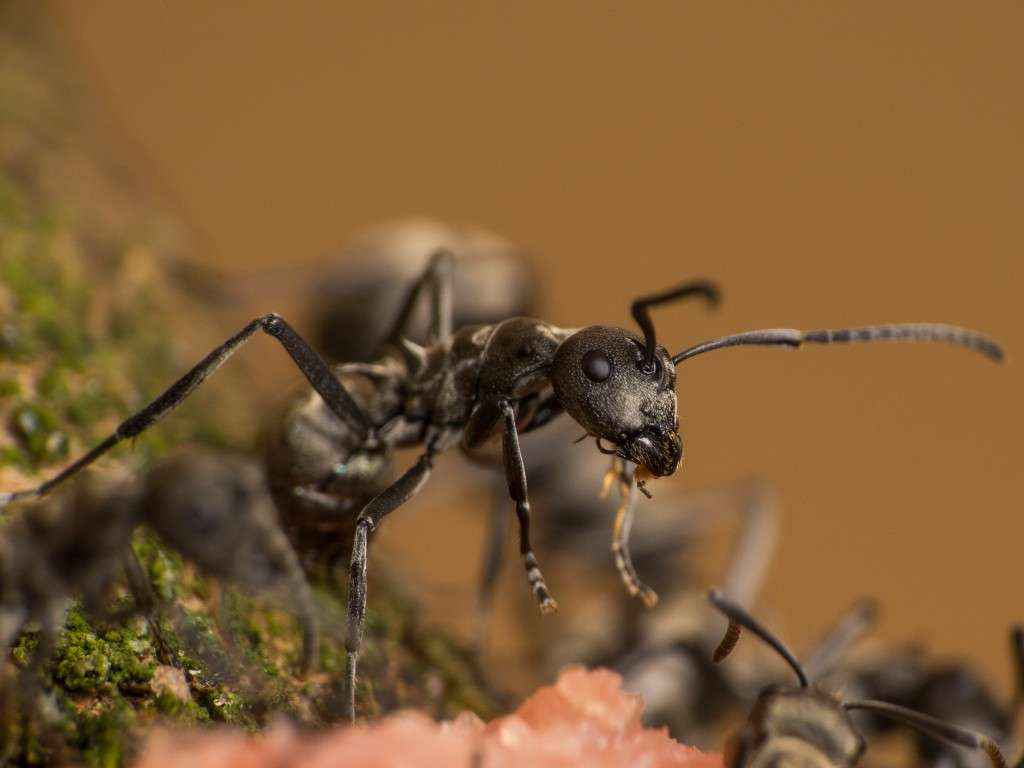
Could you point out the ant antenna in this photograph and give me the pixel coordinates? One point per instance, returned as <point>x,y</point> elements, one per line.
<point>937,729</point>
<point>705,288</point>
<point>739,618</point>
<point>790,337</point>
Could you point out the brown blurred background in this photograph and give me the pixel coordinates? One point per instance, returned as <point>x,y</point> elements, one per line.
<point>829,164</point>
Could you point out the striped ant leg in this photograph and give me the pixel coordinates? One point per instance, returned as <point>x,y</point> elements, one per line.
<point>394,496</point>
<point>515,474</point>
<point>620,545</point>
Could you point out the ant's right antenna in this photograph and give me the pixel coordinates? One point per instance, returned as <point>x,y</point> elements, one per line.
<point>740,618</point>
<point>937,729</point>
<point>790,337</point>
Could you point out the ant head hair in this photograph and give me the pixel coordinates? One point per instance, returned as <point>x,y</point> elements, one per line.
<point>739,619</point>
<point>640,310</point>
<point>937,729</point>
<point>790,337</point>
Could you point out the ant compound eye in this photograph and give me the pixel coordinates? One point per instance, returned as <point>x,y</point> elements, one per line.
<point>596,365</point>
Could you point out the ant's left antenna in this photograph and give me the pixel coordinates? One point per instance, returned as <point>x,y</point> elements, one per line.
<point>937,729</point>
<point>705,288</point>
<point>739,618</point>
<point>790,337</point>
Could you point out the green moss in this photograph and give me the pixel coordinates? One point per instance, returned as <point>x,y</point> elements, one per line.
<point>101,738</point>
<point>226,706</point>
<point>185,712</point>
<point>164,567</point>
<point>91,661</point>
<point>51,304</point>
<point>25,649</point>
<point>39,432</point>
<point>10,456</point>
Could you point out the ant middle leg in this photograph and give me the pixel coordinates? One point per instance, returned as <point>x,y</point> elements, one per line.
<point>515,474</point>
<point>620,543</point>
<point>399,492</point>
<point>305,357</point>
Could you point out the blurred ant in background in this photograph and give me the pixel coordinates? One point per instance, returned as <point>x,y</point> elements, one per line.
<point>467,386</point>
<point>811,727</point>
<point>952,691</point>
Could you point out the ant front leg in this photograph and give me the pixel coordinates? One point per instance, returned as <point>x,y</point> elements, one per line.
<point>403,489</point>
<point>305,357</point>
<point>515,473</point>
<point>630,493</point>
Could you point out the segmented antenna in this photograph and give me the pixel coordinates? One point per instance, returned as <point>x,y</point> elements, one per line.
<point>729,640</point>
<point>640,307</point>
<point>937,729</point>
<point>790,337</point>
<point>740,618</point>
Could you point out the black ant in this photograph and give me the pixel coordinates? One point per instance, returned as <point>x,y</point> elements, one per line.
<point>211,508</point>
<point>950,690</point>
<point>811,727</point>
<point>469,384</point>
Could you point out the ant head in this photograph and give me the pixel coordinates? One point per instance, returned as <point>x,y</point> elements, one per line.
<point>606,381</point>
<point>839,739</point>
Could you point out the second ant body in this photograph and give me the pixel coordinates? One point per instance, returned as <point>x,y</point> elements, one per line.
<point>464,387</point>
<point>812,727</point>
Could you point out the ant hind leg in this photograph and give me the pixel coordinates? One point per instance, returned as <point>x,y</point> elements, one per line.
<point>305,357</point>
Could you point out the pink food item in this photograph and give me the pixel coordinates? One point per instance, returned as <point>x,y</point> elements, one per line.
<point>584,719</point>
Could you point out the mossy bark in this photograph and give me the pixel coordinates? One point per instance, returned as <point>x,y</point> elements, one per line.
<point>92,285</point>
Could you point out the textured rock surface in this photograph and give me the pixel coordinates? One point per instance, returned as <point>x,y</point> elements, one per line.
<point>584,719</point>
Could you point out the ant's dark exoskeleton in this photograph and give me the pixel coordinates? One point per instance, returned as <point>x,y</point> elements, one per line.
<point>469,384</point>
<point>950,690</point>
<point>210,508</point>
<point>811,727</point>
